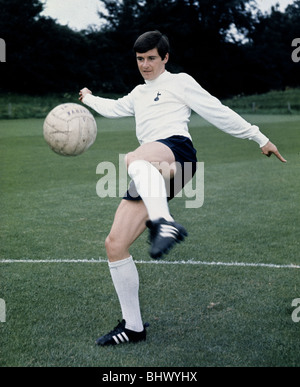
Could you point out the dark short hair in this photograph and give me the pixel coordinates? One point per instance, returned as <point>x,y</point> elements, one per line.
<point>150,40</point>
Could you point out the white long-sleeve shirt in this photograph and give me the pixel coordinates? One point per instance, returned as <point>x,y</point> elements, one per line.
<point>162,108</point>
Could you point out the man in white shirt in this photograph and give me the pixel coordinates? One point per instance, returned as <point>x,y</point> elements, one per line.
<point>162,108</point>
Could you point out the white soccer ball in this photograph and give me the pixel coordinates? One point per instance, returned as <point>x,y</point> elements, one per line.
<point>70,129</point>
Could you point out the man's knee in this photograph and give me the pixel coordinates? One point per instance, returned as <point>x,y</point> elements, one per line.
<point>168,170</point>
<point>109,246</point>
<point>129,158</point>
<point>114,250</point>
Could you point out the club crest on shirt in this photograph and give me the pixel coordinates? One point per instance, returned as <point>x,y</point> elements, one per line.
<point>157,97</point>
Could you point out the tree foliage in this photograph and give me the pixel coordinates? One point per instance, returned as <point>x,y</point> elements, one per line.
<point>43,56</point>
<point>269,63</point>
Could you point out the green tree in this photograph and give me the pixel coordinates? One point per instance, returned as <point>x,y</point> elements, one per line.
<point>268,53</point>
<point>17,22</point>
<point>42,56</point>
<point>198,33</point>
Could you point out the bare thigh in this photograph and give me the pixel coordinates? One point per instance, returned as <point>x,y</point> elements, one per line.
<point>128,225</point>
<point>157,153</point>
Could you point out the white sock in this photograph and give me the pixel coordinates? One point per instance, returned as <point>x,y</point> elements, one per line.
<point>151,187</point>
<point>126,281</point>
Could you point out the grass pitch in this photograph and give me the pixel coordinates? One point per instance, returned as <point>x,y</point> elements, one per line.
<point>201,314</point>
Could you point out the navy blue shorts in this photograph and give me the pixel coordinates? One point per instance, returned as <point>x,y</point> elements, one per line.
<point>186,165</point>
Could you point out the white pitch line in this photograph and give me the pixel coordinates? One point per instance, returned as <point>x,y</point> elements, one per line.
<point>189,262</point>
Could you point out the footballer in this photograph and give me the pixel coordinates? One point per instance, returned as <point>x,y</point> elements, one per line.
<point>162,107</point>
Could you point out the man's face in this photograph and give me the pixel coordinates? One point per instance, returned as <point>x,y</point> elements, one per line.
<point>150,64</point>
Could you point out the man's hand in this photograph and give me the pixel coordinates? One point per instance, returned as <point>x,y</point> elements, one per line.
<point>269,149</point>
<point>83,92</point>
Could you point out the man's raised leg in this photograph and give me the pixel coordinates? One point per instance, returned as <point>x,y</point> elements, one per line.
<point>143,167</point>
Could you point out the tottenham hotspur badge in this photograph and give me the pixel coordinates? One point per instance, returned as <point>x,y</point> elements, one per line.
<point>157,97</point>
